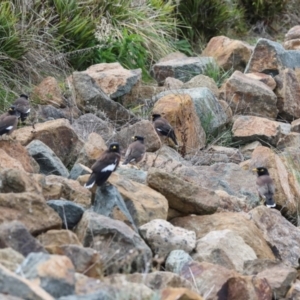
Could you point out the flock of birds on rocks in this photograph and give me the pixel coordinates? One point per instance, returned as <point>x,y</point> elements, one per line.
<point>109,161</point>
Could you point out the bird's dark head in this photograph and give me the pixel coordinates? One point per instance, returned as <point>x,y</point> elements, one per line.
<point>114,147</point>
<point>155,116</point>
<point>24,96</point>
<point>138,138</point>
<point>12,111</point>
<point>261,171</point>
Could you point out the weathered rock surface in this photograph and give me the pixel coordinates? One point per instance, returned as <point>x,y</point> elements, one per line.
<point>179,293</point>
<point>294,291</point>
<point>54,273</point>
<point>185,197</point>
<point>10,259</point>
<point>163,237</point>
<point>78,170</point>
<point>172,83</point>
<point>180,112</point>
<point>69,212</point>
<point>248,96</point>
<point>176,260</point>
<point>184,68</point>
<point>229,54</point>
<point>143,203</point>
<point>239,223</point>
<point>264,78</point>
<point>127,249</point>
<point>47,160</point>
<point>58,135</point>
<point>215,248</point>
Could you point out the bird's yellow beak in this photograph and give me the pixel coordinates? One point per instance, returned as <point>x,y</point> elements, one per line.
<point>254,169</point>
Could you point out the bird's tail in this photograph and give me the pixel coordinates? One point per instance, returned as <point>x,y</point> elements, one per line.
<point>270,202</point>
<point>90,183</point>
<point>173,137</point>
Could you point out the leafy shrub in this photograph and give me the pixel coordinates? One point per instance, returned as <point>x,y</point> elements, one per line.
<point>262,10</point>
<point>204,19</point>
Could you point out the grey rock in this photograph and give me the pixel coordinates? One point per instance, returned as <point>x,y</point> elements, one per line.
<point>69,212</point>
<point>108,200</point>
<point>127,250</point>
<point>133,174</point>
<point>16,236</point>
<point>176,260</point>
<point>208,108</point>
<point>89,123</point>
<point>93,99</point>
<point>37,266</point>
<point>78,170</point>
<point>48,161</point>
<point>183,69</point>
<point>101,295</point>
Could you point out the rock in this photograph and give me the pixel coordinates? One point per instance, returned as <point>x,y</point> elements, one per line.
<point>207,158</point>
<point>85,260</point>
<point>292,44</point>
<point>10,259</point>
<point>237,222</point>
<point>295,126</point>
<point>163,237</point>
<point>78,170</point>
<point>30,209</point>
<point>48,92</point>
<point>179,294</point>
<point>16,236</point>
<point>248,96</point>
<point>249,129</point>
<point>279,233</point>
<point>270,57</point>
<point>57,187</point>
<point>234,155</point>
<point>293,33</point>
<point>143,128</point>
<point>69,212</point>
<point>248,149</point>
<point>53,238</point>
<point>229,54</point>
<point>228,177</point>
<point>215,248</point>
<point>8,297</point>
<point>176,260</point>
<point>248,287</point>
<point>49,112</point>
<point>209,279</point>
<point>108,202</point>
<point>264,78</point>
<point>280,279</point>
<point>11,284</point>
<point>14,155</point>
<point>88,123</point>
<point>172,83</point>
<point>286,194</point>
<point>288,93</point>
<point>207,107</point>
<point>228,111</point>
<point>173,56</point>
<point>133,174</point>
<point>180,111</point>
<point>91,150</point>
<point>55,273</point>
<point>294,291</point>
<point>91,97</point>
<point>127,249</point>
<point>58,135</point>
<point>143,203</point>
<point>49,163</point>
<point>113,79</point>
<point>289,141</point>
<point>183,69</point>
<point>157,280</point>
<point>185,197</point>
<point>202,81</point>
<point>255,266</point>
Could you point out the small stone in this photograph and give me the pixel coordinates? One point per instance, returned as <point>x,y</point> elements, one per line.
<point>53,238</point>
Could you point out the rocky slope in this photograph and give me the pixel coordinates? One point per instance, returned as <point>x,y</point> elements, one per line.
<point>188,224</point>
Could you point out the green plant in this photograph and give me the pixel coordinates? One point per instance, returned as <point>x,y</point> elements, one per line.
<point>218,74</point>
<point>207,18</point>
<point>262,10</point>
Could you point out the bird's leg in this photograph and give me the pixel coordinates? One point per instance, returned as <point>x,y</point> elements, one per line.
<point>33,127</point>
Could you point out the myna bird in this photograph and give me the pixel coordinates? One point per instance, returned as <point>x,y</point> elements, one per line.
<point>265,186</point>
<point>135,151</point>
<point>22,106</point>
<point>104,166</point>
<point>9,121</point>
<point>163,127</point>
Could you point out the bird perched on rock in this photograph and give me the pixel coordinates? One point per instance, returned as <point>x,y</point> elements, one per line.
<point>163,127</point>
<point>265,186</point>
<point>9,121</point>
<point>104,166</point>
<point>22,105</point>
<point>135,151</point>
